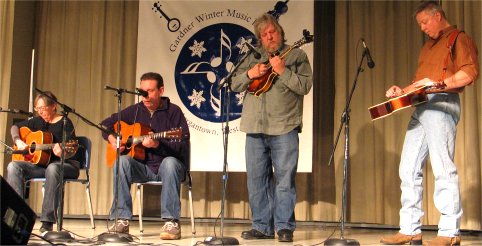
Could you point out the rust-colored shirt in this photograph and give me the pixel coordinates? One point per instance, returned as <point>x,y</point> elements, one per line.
<point>434,52</point>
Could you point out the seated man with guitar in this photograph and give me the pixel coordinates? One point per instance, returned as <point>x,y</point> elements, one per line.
<point>447,63</point>
<point>154,147</point>
<point>272,118</point>
<point>38,153</point>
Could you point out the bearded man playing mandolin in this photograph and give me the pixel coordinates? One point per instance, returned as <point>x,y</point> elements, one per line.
<point>48,123</point>
<point>272,121</point>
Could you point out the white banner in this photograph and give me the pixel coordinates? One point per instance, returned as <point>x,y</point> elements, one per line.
<point>194,45</point>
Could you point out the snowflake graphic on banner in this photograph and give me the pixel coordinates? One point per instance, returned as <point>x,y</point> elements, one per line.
<point>204,61</point>
<point>196,98</point>
<point>197,48</point>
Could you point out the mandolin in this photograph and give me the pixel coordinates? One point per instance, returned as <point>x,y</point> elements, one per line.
<point>262,84</point>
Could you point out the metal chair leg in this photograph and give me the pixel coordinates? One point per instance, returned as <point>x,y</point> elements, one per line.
<point>193,228</point>
<point>139,201</point>
<point>89,203</point>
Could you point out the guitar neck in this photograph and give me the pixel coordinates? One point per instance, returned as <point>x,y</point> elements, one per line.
<point>44,146</point>
<point>154,136</point>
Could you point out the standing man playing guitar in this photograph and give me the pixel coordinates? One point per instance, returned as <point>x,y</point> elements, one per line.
<point>272,121</point>
<point>448,61</point>
<point>164,160</point>
<point>50,122</point>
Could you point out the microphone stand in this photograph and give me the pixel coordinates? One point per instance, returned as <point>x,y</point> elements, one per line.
<point>227,98</point>
<point>108,236</point>
<point>59,234</point>
<point>8,149</point>
<point>17,111</point>
<point>345,121</point>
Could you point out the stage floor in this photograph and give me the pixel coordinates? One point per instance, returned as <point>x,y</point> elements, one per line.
<point>307,233</point>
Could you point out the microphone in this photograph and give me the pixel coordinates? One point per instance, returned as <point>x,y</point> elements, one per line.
<point>253,50</point>
<point>370,62</point>
<point>12,151</point>
<point>141,92</point>
<point>17,111</point>
<point>119,90</point>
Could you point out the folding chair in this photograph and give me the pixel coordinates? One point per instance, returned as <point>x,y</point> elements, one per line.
<point>187,182</point>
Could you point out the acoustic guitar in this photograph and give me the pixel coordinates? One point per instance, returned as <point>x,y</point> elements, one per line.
<point>262,84</point>
<point>132,137</point>
<point>410,99</point>
<point>39,148</point>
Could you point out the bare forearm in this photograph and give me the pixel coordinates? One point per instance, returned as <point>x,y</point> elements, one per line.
<point>14,131</point>
<point>459,79</point>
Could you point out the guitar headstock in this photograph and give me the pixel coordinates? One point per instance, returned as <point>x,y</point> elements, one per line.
<point>174,134</point>
<point>72,146</point>
<point>307,38</point>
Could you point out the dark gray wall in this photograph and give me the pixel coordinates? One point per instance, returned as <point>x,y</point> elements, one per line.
<point>22,45</point>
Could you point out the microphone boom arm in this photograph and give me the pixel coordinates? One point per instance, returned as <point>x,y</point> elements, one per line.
<point>228,77</point>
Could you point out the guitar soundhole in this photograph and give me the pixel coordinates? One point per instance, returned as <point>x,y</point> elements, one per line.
<point>389,108</point>
<point>32,148</point>
<point>129,143</point>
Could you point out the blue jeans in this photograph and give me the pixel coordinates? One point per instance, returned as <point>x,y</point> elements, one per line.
<point>171,172</point>
<point>271,163</point>
<point>431,131</point>
<point>19,171</point>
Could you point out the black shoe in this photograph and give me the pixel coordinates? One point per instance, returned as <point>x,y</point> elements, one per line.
<point>285,235</point>
<point>46,226</point>
<point>255,234</point>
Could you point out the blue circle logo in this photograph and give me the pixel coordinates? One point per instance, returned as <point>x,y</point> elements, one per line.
<point>203,63</point>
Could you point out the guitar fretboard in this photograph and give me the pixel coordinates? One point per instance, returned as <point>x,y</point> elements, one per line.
<point>44,146</point>
<point>156,136</point>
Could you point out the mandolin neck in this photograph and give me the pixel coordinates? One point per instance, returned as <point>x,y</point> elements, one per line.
<point>282,55</point>
<point>290,48</point>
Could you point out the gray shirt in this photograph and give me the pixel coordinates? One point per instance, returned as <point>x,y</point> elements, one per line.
<point>280,109</point>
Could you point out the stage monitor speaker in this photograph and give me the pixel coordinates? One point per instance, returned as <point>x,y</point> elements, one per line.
<point>18,218</point>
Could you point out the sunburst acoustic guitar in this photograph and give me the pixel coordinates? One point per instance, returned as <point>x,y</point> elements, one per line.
<point>407,100</point>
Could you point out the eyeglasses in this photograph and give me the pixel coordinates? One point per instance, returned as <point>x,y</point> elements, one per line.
<point>42,108</point>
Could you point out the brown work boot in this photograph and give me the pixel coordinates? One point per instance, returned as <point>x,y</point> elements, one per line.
<point>121,226</point>
<point>399,239</point>
<point>171,231</point>
<point>442,241</point>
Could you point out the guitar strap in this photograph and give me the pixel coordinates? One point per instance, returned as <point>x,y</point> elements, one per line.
<point>451,46</point>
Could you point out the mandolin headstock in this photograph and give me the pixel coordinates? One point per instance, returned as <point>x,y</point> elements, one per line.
<point>307,38</point>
